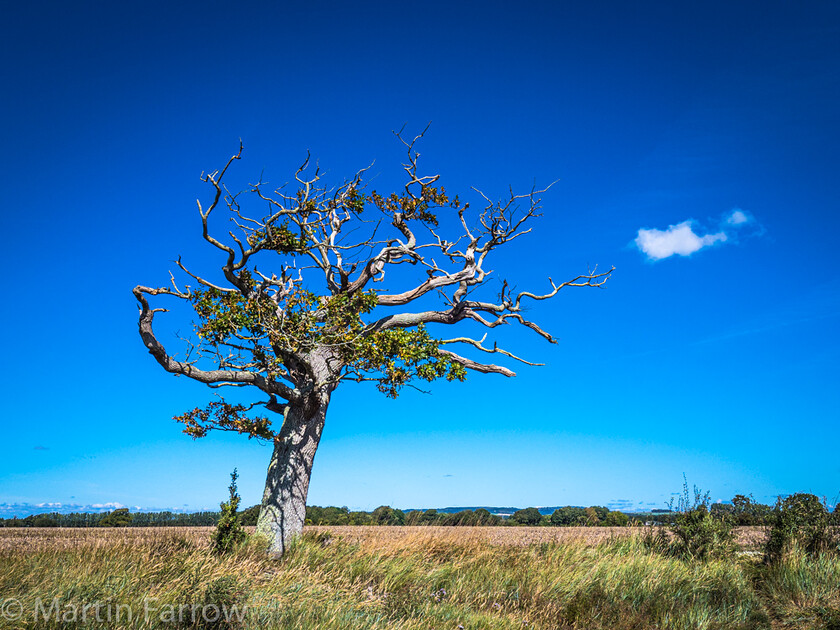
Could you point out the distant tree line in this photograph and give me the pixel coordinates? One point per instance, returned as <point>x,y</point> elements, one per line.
<point>117,518</point>
<point>385,515</point>
<point>741,511</point>
<point>571,516</point>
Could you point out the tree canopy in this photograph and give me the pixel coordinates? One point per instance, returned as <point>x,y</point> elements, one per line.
<point>301,306</point>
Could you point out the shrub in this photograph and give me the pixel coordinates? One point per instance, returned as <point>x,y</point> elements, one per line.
<point>229,533</point>
<point>697,532</point>
<point>800,520</point>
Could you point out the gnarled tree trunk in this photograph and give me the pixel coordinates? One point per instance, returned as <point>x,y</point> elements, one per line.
<point>283,508</point>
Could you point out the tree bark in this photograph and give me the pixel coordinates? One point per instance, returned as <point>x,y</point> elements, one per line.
<point>283,508</point>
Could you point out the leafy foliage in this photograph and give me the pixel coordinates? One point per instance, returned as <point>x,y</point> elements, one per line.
<point>386,515</point>
<point>615,518</point>
<point>279,238</point>
<point>528,516</point>
<point>569,516</point>
<point>417,208</point>
<point>800,520</point>
<point>221,415</point>
<point>118,518</point>
<point>272,332</point>
<point>697,532</point>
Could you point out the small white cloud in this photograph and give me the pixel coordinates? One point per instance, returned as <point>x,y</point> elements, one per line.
<point>49,505</point>
<point>737,217</point>
<point>677,239</point>
<point>683,238</point>
<point>113,504</point>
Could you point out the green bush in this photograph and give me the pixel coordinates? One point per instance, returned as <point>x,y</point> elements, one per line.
<point>229,533</point>
<point>698,533</point>
<point>800,520</point>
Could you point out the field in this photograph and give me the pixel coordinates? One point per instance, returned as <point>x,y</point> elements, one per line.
<point>403,578</point>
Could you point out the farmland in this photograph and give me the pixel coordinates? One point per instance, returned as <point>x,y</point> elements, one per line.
<point>405,578</point>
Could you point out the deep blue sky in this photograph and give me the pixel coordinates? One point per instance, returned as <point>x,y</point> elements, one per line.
<point>721,364</point>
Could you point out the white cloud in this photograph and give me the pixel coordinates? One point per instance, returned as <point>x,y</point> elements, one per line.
<point>737,217</point>
<point>112,504</point>
<point>677,239</point>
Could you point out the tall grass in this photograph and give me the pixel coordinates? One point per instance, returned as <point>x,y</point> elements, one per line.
<point>804,589</point>
<point>418,581</point>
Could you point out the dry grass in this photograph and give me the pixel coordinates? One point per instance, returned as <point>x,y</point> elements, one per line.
<point>417,578</point>
<point>52,538</point>
<point>747,538</point>
<point>44,539</point>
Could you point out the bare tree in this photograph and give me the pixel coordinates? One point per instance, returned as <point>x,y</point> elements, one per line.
<point>275,332</point>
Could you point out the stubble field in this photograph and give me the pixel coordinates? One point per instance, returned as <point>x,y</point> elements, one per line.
<point>43,539</point>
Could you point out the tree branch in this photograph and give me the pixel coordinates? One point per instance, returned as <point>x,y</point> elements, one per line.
<point>169,364</point>
<point>486,368</point>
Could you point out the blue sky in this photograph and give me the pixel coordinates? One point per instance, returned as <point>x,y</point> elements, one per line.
<point>713,351</point>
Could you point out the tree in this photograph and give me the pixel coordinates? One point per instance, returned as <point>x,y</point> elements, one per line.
<point>616,519</point>
<point>229,533</point>
<point>484,517</point>
<point>118,518</point>
<point>528,516</point>
<point>569,516</point>
<point>322,316</point>
<point>601,512</point>
<point>386,515</point>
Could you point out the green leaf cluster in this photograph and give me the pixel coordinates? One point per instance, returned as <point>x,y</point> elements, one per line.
<point>224,416</point>
<point>302,321</point>
<point>279,238</point>
<point>412,207</point>
<point>401,355</point>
